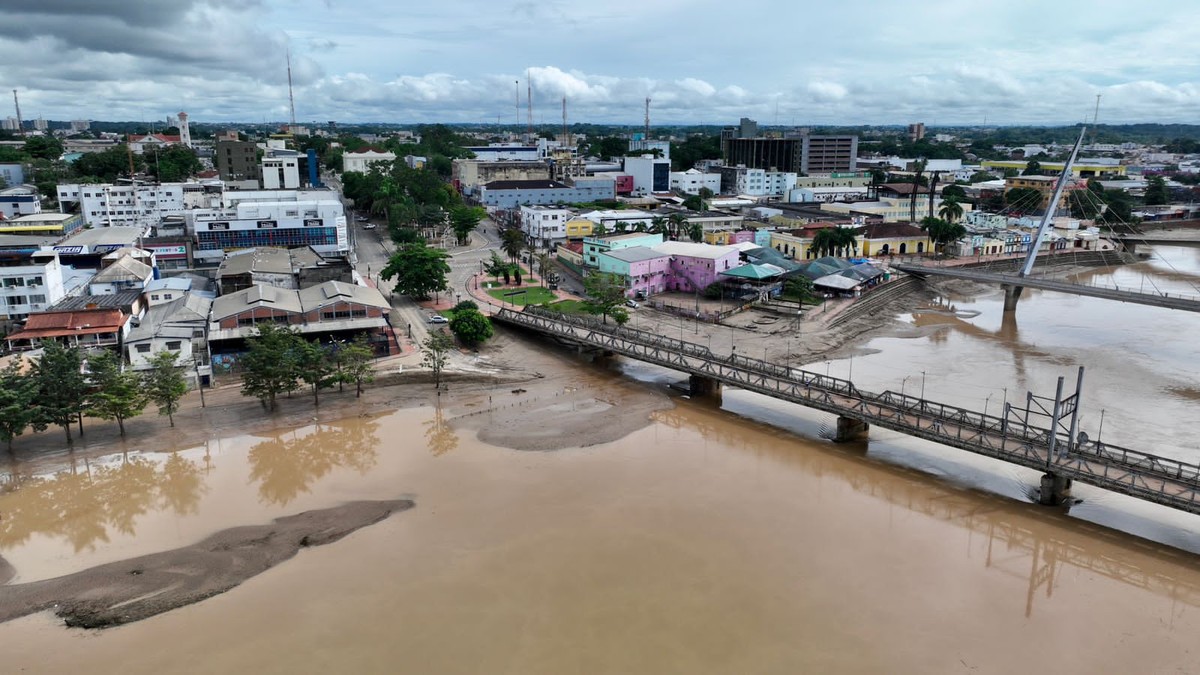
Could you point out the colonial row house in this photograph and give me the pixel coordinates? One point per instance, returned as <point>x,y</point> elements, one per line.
<point>332,310</point>
<point>178,326</point>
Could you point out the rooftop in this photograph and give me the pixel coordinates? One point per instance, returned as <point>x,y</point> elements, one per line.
<point>524,185</point>
<point>694,250</point>
<point>635,254</point>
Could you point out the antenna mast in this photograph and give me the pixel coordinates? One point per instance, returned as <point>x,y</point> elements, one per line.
<point>566,139</point>
<point>529,94</point>
<point>647,118</point>
<point>291,99</point>
<point>20,124</point>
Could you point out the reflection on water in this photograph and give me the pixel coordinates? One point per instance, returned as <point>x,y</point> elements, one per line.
<point>286,464</point>
<point>439,433</point>
<point>1028,542</point>
<point>86,503</point>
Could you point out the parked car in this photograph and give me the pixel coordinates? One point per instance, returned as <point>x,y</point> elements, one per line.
<point>438,318</point>
<point>631,304</point>
<point>370,226</point>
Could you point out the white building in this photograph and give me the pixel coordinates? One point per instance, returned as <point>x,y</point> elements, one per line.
<point>280,170</point>
<point>22,200</point>
<point>133,205</point>
<point>545,225</point>
<point>178,326</point>
<point>690,182</point>
<point>361,160</point>
<point>609,218</point>
<point>31,286</point>
<point>650,174</point>
<point>80,125</point>
<point>286,219</point>
<point>828,194</point>
<point>643,145</point>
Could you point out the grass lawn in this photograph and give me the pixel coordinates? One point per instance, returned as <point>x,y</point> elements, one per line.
<point>526,295</point>
<point>568,307</point>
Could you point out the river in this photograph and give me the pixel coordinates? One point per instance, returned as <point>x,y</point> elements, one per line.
<point>714,540</point>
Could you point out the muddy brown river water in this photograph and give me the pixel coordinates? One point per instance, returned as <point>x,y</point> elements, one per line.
<point>714,540</point>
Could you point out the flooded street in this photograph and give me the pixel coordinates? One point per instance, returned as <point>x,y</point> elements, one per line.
<point>731,540</point>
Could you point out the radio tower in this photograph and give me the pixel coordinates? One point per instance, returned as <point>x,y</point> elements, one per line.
<point>529,95</point>
<point>517,105</point>
<point>20,124</point>
<point>647,118</point>
<point>291,99</point>
<point>566,139</point>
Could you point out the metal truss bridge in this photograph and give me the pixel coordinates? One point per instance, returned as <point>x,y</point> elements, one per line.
<point>1063,456</point>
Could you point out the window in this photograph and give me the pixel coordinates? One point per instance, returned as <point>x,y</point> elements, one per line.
<point>34,281</point>
<point>154,297</point>
<point>142,349</point>
<point>173,345</point>
<point>37,299</point>
<point>10,282</point>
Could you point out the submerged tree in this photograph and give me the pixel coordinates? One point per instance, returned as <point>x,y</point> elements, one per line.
<point>270,364</point>
<point>165,384</point>
<point>114,394</point>
<point>434,354</point>
<point>61,387</point>
<point>18,392</point>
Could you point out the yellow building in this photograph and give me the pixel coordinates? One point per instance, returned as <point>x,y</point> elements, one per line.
<point>796,244</point>
<point>1078,169</point>
<point>1043,184</point>
<point>578,228</point>
<point>889,209</point>
<point>880,239</point>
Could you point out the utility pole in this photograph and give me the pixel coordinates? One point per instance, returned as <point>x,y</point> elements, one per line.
<point>566,139</point>
<point>647,138</point>
<point>291,99</point>
<point>529,99</point>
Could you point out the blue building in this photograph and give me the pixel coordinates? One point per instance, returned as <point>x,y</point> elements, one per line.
<point>509,194</point>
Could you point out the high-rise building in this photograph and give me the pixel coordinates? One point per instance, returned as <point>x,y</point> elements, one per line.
<point>80,125</point>
<point>796,152</point>
<point>916,131</point>
<point>237,160</point>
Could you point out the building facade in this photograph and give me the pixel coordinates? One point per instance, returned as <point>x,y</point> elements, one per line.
<point>650,174</point>
<point>509,194</point>
<point>320,224</point>
<point>803,154</point>
<point>29,285</point>
<point>690,182</point>
<point>125,205</point>
<point>361,160</point>
<point>237,160</point>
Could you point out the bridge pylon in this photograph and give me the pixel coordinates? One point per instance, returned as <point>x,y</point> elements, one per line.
<point>850,429</point>
<point>1055,490</point>
<point>1011,295</point>
<point>707,387</point>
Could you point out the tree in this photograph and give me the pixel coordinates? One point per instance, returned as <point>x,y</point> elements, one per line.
<point>18,394</point>
<point>43,147</point>
<point>834,241</point>
<point>106,165</point>
<point>464,220</point>
<point>606,295</point>
<point>433,355</point>
<point>470,326</point>
<point>1032,168</point>
<point>512,240</point>
<point>982,176</point>
<point>955,192</point>
<point>465,305</point>
<point>1156,191</point>
<point>355,363</point>
<point>950,210</point>
<point>942,232</point>
<point>314,367</point>
<point>798,286</point>
<point>165,384</point>
<point>695,203</point>
<point>174,163</point>
<point>61,387</point>
<point>114,394</point>
<point>693,149</point>
<point>545,265</point>
<point>695,231</point>
<point>269,367</point>
<point>418,270</point>
<point>1023,199</point>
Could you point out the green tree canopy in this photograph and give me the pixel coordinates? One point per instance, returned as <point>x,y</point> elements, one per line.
<point>1033,168</point>
<point>434,354</point>
<point>605,296</point>
<point>418,270</point>
<point>1156,191</point>
<point>18,395</point>
<point>62,388</point>
<point>955,192</point>
<point>470,326</point>
<point>165,384</point>
<point>314,367</point>
<point>835,241</point>
<point>173,164</point>
<point>355,364</point>
<point>1023,199</point>
<point>114,393</point>
<point>950,210</point>
<point>941,232</point>
<point>270,365</point>
<point>464,220</point>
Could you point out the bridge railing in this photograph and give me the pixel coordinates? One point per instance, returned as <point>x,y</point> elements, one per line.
<point>991,431</point>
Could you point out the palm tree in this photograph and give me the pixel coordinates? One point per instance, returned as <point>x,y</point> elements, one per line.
<point>941,232</point>
<point>545,263</point>
<point>658,225</point>
<point>835,240</point>
<point>950,210</point>
<point>675,225</point>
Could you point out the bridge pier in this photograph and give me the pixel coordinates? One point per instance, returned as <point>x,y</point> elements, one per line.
<point>704,386</point>
<point>1011,295</point>
<point>1055,490</point>
<point>850,429</point>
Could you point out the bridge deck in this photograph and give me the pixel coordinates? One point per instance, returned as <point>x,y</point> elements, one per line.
<point>1149,477</point>
<point>1190,303</point>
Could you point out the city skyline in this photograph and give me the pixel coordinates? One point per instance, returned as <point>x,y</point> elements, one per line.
<point>855,63</point>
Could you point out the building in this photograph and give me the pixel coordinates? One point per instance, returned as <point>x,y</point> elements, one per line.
<point>544,225</point>
<point>638,144</point>
<point>237,161</point>
<point>1097,167</point>
<point>610,218</point>
<point>693,267</point>
<point>29,285</point>
<point>126,204</point>
<point>59,225</point>
<point>506,152</point>
<point>361,160</point>
<point>12,174</point>
<point>892,239</point>
<point>509,194</point>
<point>280,169</point>
<point>140,143</point>
<point>178,326</point>
<point>644,270</point>
<point>594,246</point>
<point>916,132</point>
<point>286,219</point>
<point>80,125</point>
<point>84,328</point>
<point>1044,185</point>
<point>799,153</point>
<point>690,182</point>
<point>650,174</point>
<point>887,209</point>
<point>470,175</point>
<point>126,273</point>
<point>166,289</point>
<point>22,200</point>
<point>751,182</point>
<point>332,309</point>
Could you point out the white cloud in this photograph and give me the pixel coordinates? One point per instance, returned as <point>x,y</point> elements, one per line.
<point>827,91</point>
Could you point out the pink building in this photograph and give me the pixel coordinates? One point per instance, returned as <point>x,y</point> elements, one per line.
<point>695,266</point>
<point>645,270</point>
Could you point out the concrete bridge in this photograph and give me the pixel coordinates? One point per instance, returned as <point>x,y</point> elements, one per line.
<point>1062,456</point>
<point>1190,303</point>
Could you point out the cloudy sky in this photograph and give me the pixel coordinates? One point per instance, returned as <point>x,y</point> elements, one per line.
<point>701,61</point>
